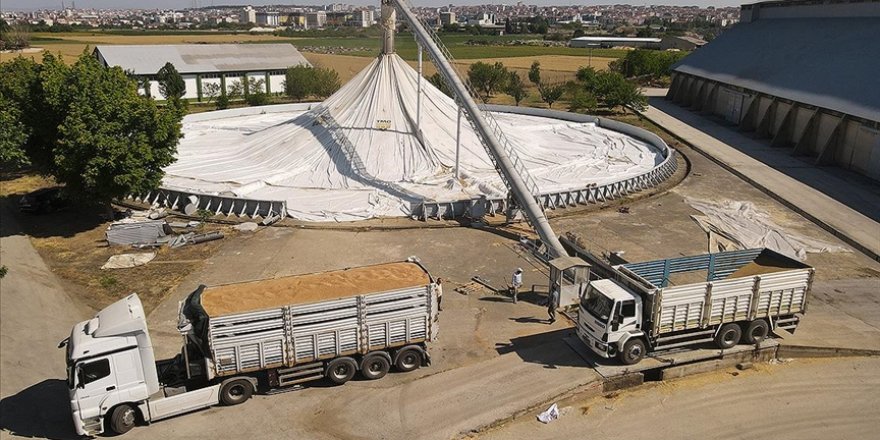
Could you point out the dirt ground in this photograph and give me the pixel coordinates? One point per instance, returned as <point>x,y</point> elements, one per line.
<point>803,399</point>
<point>73,244</point>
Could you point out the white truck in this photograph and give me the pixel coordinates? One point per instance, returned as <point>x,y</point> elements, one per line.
<point>655,305</point>
<point>247,337</point>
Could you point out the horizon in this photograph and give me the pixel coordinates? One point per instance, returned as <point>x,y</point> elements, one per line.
<point>33,5</point>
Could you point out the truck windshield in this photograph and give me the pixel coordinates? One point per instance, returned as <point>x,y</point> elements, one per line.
<point>598,305</point>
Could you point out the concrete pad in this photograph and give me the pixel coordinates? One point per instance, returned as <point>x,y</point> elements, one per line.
<point>842,204</point>
<point>610,368</point>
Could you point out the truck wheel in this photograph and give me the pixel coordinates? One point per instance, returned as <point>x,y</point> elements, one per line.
<point>236,392</point>
<point>633,351</point>
<point>341,370</point>
<point>756,331</point>
<point>122,419</point>
<point>408,360</point>
<point>375,366</point>
<point>728,336</point>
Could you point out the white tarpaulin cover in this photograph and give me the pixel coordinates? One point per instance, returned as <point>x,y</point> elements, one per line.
<point>361,158</point>
<point>740,225</point>
<point>124,261</point>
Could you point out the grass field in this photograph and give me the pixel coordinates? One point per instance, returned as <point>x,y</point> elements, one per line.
<point>72,44</point>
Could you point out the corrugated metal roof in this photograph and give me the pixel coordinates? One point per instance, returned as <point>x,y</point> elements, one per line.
<point>620,39</point>
<point>826,62</point>
<point>202,58</point>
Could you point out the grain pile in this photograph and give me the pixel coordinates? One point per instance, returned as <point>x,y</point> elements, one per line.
<point>302,289</point>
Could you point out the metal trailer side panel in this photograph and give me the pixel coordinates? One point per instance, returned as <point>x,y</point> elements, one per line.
<point>304,333</point>
<point>703,305</point>
<point>783,293</point>
<point>730,301</point>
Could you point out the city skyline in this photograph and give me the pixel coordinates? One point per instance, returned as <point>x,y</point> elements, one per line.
<point>24,5</point>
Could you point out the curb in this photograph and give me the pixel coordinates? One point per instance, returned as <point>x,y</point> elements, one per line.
<point>834,231</point>
<point>807,351</point>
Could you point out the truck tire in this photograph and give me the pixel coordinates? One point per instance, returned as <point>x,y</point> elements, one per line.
<point>728,336</point>
<point>236,391</point>
<point>341,370</point>
<point>122,419</point>
<point>408,360</point>
<point>756,331</point>
<point>633,351</point>
<point>375,366</point>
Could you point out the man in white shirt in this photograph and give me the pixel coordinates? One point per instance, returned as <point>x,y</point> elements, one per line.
<point>516,281</point>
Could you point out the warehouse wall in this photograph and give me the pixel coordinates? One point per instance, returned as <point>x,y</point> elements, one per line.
<point>829,137</point>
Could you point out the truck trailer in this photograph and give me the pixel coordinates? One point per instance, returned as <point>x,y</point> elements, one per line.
<point>250,337</point>
<point>656,305</point>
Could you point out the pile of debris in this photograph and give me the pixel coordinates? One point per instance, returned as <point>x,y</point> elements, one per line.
<point>149,229</point>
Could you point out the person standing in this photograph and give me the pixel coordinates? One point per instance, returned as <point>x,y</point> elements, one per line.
<point>516,281</point>
<point>438,288</point>
<point>553,303</point>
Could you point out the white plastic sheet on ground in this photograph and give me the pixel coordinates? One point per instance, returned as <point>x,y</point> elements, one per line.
<point>740,225</point>
<point>297,156</point>
<point>125,261</point>
<point>549,415</point>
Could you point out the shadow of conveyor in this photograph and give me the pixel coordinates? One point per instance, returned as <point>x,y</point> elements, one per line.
<point>41,410</point>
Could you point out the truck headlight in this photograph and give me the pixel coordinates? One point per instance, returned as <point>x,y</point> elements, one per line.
<point>604,337</point>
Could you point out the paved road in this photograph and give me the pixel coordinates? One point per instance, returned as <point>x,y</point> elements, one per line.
<point>35,313</point>
<point>849,208</point>
<point>803,400</point>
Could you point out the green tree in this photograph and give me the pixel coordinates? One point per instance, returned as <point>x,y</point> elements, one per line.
<point>236,90</point>
<point>582,100</point>
<point>171,84</point>
<point>516,88</point>
<point>326,81</point>
<point>303,81</point>
<point>487,78</point>
<point>298,82</point>
<point>535,73</point>
<point>551,92</point>
<point>210,90</point>
<point>256,95</point>
<point>616,91</point>
<point>111,141</point>
<point>437,81</point>
<point>13,135</point>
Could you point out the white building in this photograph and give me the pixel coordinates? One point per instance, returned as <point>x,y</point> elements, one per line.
<point>447,18</point>
<point>248,15</point>
<point>202,64</point>
<point>268,19</point>
<point>316,20</point>
<point>363,18</point>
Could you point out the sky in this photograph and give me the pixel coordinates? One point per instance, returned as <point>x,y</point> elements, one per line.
<point>150,4</point>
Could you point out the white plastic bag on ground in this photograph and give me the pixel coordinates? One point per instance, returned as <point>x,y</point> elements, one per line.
<point>550,415</point>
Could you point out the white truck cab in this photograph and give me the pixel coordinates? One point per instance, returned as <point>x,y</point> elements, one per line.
<point>109,362</point>
<point>609,316</point>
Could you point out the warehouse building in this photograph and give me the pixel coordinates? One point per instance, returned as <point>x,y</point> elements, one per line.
<point>801,73</point>
<point>646,43</point>
<point>227,65</point>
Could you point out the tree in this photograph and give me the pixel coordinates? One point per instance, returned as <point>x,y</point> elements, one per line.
<point>516,88</point>
<point>13,135</point>
<point>210,90</point>
<point>15,37</point>
<point>487,78</point>
<point>551,92</point>
<point>171,84</point>
<point>587,76</point>
<point>222,102</point>
<point>302,81</point>
<point>111,141</point>
<point>236,90</point>
<point>582,100</point>
<point>535,73</point>
<point>256,92</point>
<point>326,82</point>
<point>440,83</point>
<point>615,91</point>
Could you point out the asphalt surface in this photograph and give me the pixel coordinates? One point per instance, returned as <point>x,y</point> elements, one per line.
<point>35,314</point>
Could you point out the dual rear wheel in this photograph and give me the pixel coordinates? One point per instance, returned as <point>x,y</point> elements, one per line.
<point>752,333</point>
<point>373,366</point>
